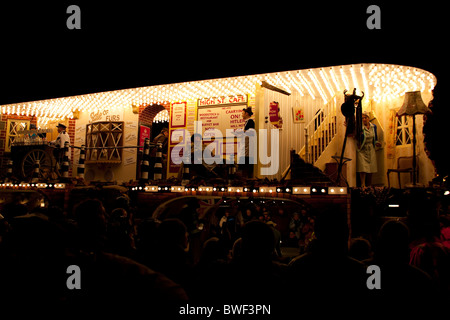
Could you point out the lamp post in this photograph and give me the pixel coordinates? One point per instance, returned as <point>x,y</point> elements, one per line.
<point>413,105</point>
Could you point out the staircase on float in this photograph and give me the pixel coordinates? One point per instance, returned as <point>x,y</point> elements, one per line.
<point>308,166</point>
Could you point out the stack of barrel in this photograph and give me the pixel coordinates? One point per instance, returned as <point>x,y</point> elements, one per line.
<point>80,168</point>
<point>145,162</point>
<point>158,169</point>
<point>65,163</point>
<point>9,171</point>
<point>36,169</point>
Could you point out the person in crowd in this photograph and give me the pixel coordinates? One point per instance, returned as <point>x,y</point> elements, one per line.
<point>33,264</point>
<point>236,250</point>
<point>229,228</point>
<point>146,240</point>
<point>401,283</point>
<point>282,222</point>
<point>4,228</point>
<point>107,282</point>
<point>248,215</point>
<point>170,252</point>
<point>120,233</point>
<point>292,241</point>
<point>360,249</point>
<point>14,208</point>
<point>91,218</point>
<point>326,271</point>
<point>366,159</point>
<point>445,230</point>
<point>253,275</point>
<point>206,273</point>
<point>307,233</point>
<point>277,238</point>
<point>427,250</point>
<point>266,217</point>
<point>189,215</point>
<point>224,219</point>
<point>295,224</point>
<point>107,277</point>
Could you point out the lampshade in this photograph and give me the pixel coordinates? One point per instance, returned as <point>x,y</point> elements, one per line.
<point>413,104</point>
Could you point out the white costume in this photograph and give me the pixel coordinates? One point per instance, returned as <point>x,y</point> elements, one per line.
<point>63,136</point>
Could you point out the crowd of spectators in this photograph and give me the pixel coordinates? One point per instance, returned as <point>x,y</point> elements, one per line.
<point>293,230</point>
<point>148,264</point>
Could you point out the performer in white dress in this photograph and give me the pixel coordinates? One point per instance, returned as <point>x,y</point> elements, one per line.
<point>366,160</point>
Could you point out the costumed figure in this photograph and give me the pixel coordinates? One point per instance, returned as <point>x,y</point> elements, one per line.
<point>60,141</point>
<point>366,160</point>
<point>246,160</point>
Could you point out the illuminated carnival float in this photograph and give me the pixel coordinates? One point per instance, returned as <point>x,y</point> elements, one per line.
<point>302,144</point>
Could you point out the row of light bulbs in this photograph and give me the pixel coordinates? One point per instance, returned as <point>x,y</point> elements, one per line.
<point>378,81</point>
<point>162,116</point>
<point>270,190</point>
<point>39,185</point>
<point>238,190</point>
<point>391,82</point>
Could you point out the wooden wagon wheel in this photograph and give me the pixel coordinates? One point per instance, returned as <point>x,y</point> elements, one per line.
<point>45,164</point>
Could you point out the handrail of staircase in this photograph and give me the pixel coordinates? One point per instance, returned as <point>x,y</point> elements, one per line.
<point>319,121</point>
<point>309,158</point>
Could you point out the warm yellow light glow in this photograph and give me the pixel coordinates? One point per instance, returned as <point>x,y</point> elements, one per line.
<point>378,81</point>
<point>318,86</point>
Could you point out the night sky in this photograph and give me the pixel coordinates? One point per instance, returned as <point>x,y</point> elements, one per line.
<point>130,44</point>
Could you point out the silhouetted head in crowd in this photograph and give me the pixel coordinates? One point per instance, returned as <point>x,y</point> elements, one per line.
<point>360,249</point>
<point>392,245</point>
<point>91,220</point>
<point>258,241</point>
<point>122,202</point>
<point>236,250</point>
<point>119,214</point>
<point>14,209</point>
<point>172,232</point>
<point>33,236</point>
<point>422,214</point>
<point>331,231</point>
<point>55,213</point>
<point>213,250</point>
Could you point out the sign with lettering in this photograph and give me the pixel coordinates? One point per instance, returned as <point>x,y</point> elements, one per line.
<point>106,115</point>
<point>221,118</point>
<point>223,100</point>
<point>178,115</point>
<point>144,132</point>
<point>274,114</point>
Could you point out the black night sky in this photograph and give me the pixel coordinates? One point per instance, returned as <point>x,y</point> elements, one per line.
<point>131,44</point>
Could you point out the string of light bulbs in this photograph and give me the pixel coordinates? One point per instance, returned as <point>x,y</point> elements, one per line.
<point>379,82</point>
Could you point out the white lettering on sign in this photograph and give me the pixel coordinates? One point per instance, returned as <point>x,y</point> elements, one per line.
<point>222,100</point>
